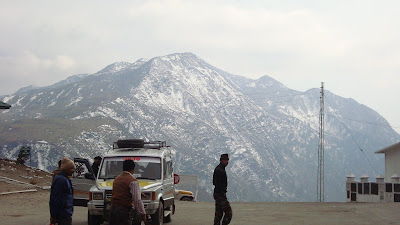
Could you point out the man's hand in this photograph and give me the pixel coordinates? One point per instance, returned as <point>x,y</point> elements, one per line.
<point>53,220</point>
<point>144,218</point>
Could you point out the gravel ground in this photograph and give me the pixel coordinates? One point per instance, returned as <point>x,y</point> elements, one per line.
<point>9,169</point>
<point>32,208</point>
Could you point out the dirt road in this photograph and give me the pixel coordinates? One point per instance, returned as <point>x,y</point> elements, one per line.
<point>32,208</point>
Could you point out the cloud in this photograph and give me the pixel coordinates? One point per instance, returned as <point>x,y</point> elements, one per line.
<point>27,68</point>
<point>229,26</point>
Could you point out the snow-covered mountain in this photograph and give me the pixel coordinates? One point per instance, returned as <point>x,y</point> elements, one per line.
<point>26,89</point>
<point>269,130</point>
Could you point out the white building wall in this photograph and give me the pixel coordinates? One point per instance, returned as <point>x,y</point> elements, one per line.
<point>375,191</point>
<point>392,164</point>
<point>368,198</point>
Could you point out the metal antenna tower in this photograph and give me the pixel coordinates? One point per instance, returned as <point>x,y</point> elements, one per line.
<point>320,174</point>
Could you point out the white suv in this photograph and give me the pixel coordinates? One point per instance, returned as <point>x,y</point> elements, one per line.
<point>153,170</point>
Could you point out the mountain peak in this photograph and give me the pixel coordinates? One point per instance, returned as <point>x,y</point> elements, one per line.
<point>26,89</point>
<point>267,81</point>
<point>182,55</point>
<point>121,66</point>
<point>115,67</point>
<point>178,57</point>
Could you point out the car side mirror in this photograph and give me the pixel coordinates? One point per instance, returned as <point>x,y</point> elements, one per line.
<point>89,176</point>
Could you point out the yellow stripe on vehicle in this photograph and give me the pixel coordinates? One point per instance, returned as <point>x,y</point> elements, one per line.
<point>186,192</point>
<point>106,183</point>
<point>145,183</point>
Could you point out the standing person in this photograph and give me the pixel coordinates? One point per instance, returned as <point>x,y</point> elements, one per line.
<point>61,195</point>
<point>95,165</point>
<point>125,194</point>
<point>220,181</point>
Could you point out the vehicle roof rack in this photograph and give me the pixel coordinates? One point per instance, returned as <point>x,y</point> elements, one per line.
<point>139,143</point>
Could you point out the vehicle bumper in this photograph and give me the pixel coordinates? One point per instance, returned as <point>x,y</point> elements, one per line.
<point>80,202</point>
<point>96,208</point>
<point>151,208</point>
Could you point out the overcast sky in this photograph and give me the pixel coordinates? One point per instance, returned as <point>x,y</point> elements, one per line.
<point>352,45</point>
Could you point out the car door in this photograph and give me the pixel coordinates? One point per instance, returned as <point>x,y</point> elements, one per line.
<point>82,180</point>
<point>168,183</point>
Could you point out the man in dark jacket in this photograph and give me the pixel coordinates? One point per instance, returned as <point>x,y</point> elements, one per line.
<point>95,165</point>
<point>220,182</point>
<point>61,195</point>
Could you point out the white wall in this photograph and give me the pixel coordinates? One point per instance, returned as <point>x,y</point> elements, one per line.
<point>368,198</point>
<point>392,164</point>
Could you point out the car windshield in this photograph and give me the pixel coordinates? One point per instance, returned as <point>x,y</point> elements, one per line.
<point>145,167</point>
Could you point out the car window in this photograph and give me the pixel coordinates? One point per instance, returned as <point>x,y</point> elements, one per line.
<point>80,170</point>
<point>165,168</point>
<point>145,167</point>
<point>169,169</point>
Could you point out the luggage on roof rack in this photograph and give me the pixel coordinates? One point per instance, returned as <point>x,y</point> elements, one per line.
<point>139,143</point>
<point>129,143</point>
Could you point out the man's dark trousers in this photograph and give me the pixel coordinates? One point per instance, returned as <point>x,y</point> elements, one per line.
<point>121,215</point>
<point>222,206</point>
<point>124,216</point>
<point>64,221</point>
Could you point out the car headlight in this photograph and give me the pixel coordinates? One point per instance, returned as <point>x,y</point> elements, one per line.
<point>97,196</point>
<point>148,196</point>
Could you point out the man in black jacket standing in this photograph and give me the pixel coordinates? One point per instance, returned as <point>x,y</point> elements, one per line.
<point>220,182</point>
<point>95,165</point>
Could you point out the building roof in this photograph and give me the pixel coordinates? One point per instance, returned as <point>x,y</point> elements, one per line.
<point>389,148</point>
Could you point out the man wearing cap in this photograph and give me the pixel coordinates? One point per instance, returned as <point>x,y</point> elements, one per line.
<point>220,181</point>
<point>125,194</point>
<point>61,195</point>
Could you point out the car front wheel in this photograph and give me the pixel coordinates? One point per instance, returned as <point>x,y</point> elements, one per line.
<point>186,198</point>
<point>158,217</point>
<point>94,220</point>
